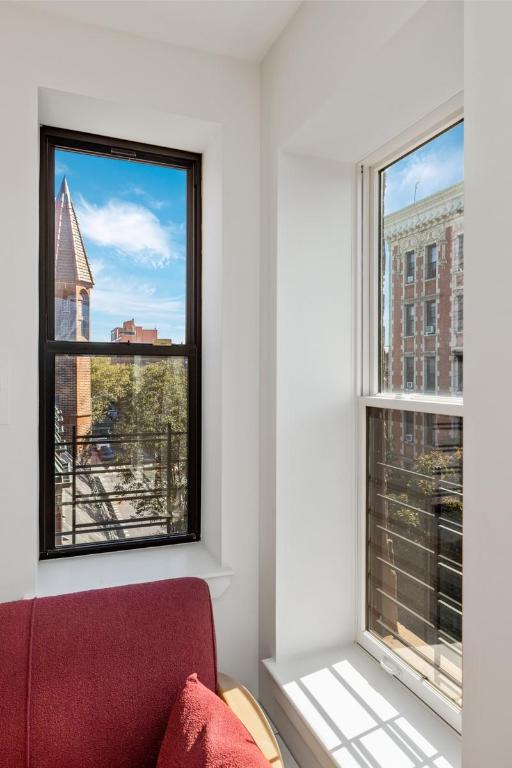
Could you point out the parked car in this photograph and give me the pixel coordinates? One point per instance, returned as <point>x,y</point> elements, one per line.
<point>106,452</point>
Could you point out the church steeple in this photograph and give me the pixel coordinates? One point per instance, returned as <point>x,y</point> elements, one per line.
<point>71,262</point>
<point>73,286</point>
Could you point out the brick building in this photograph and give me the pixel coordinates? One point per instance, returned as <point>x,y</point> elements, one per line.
<point>136,334</point>
<point>73,286</point>
<point>423,309</point>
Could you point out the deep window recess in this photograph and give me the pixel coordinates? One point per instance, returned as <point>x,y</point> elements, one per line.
<point>120,344</point>
<point>411,481</point>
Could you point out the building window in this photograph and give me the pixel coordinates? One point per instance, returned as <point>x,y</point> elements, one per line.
<point>430,317</point>
<point>459,312</point>
<point>459,374</point>
<point>409,319</point>
<point>460,253</point>
<point>409,373</point>
<point>410,267</point>
<point>413,507</point>
<point>120,398</point>
<point>409,427</point>
<point>430,374</point>
<point>431,261</point>
<point>429,430</point>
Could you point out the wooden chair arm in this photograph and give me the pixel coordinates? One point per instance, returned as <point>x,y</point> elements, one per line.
<point>249,712</point>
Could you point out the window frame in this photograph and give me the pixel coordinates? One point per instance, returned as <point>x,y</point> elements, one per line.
<point>369,373</point>
<point>52,138</point>
<point>407,305</point>
<point>431,266</point>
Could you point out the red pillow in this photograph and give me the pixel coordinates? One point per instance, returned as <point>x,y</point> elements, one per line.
<point>202,732</point>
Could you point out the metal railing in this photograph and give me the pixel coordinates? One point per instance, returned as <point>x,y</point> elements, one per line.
<point>94,474</point>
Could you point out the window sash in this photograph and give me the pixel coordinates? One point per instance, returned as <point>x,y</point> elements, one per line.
<point>369,373</point>
<point>49,347</point>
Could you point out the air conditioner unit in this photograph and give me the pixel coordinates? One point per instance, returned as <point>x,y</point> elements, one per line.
<point>409,438</point>
<point>409,385</point>
<point>410,278</point>
<point>430,329</point>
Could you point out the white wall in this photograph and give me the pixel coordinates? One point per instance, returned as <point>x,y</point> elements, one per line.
<point>173,96</point>
<point>314,461</point>
<point>488,370</point>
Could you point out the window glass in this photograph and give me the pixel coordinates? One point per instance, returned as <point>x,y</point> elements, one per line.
<point>421,260</point>
<point>430,374</point>
<point>414,582</point>
<point>120,249</point>
<point>431,262</point>
<point>409,373</point>
<point>409,319</point>
<point>430,317</point>
<point>120,448</point>
<point>410,271</point>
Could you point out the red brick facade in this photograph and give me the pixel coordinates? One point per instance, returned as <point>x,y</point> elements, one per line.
<point>422,313</point>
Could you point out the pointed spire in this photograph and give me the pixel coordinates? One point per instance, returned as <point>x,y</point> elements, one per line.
<point>64,189</point>
<point>71,262</point>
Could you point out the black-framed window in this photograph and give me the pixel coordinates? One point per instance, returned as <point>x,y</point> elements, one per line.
<point>120,344</point>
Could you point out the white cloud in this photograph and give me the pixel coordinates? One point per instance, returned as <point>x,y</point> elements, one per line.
<point>431,172</point>
<point>153,202</point>
<point>131,229</point>
<point>135,300</point>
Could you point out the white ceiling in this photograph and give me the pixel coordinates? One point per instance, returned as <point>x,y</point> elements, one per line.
<point>245,29</point>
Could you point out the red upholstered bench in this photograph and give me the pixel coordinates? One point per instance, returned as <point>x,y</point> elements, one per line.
<point>87,680</point>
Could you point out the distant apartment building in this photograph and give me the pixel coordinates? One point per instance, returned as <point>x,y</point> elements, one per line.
<point>128,332</point>
<point>423,310</point>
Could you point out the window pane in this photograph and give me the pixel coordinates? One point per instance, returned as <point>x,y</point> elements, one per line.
<point>120,448</point>
<point>414,589</point>
<point>120,250</point>
<point>421,263</point>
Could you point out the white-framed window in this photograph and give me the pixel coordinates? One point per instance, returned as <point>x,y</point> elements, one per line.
<point>409,313</point>
<point>409,373</point>
<point>431,261</point>
<point>459,313</point>
<point>410,437</point>
<point>460,253</point>
<point>430,317</point>
<point>410,267</point>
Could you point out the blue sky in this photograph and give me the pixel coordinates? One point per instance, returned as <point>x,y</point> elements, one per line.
<point>132,217</point>
<point>434,166</point>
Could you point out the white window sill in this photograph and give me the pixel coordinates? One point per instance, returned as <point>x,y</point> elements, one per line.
<point>361,716</point>
<point>135,566</point>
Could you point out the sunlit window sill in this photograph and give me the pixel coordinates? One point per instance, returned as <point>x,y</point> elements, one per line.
<point>135,566</point>
<point>360,716</point>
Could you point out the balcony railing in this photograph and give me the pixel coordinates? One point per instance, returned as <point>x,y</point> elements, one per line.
<point>117,486</point>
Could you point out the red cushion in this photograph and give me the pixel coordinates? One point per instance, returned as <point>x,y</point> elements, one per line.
<point>203,733</point>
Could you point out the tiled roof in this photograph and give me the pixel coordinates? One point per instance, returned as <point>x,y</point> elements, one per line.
<point>71,263</point>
